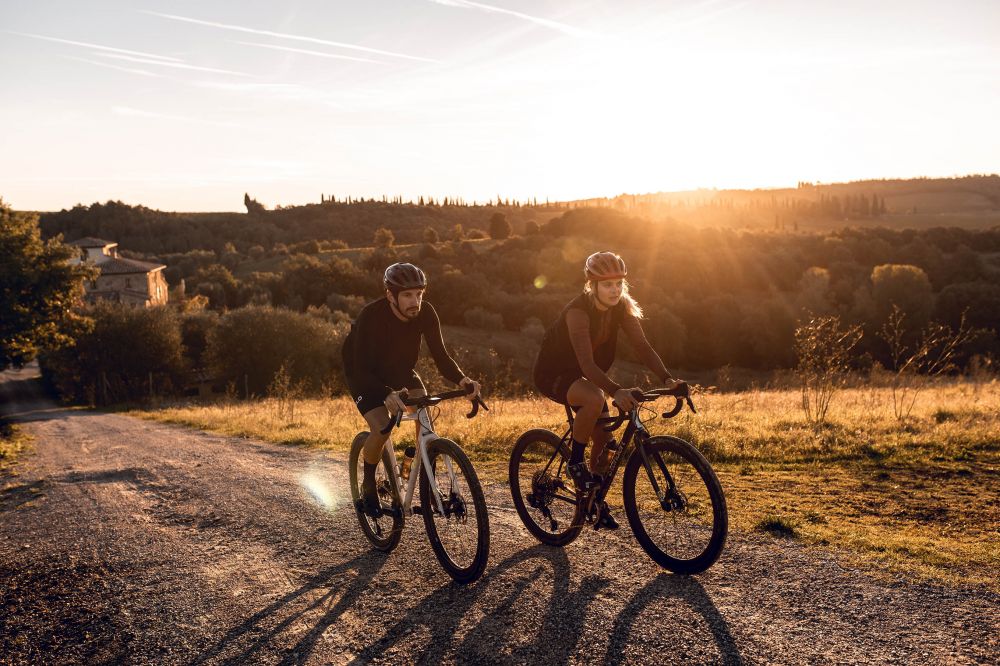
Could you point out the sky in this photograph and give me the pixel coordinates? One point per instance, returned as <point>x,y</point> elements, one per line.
<point>183,105</point>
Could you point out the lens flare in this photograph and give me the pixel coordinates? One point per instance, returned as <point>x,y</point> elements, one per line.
<point>318,487</point>
<point>541,281</point>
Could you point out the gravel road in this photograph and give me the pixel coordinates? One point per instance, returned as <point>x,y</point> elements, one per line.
<point>128,541</point>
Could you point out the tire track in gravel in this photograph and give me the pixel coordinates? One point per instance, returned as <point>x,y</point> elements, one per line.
<point>126,540</point>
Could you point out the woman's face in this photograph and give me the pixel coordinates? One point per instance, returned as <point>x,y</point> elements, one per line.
<point>609,292</point>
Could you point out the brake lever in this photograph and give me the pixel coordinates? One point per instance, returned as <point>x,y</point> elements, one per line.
<point>476,404</point>
<point>678,404</point>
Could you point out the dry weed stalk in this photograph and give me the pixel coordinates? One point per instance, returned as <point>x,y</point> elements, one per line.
<point>823,349</point>
<point>931,355</point>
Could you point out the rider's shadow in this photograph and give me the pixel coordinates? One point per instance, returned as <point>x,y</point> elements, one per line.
<point>667,587</point>
<point>442,612</point>
<point>259,632</point>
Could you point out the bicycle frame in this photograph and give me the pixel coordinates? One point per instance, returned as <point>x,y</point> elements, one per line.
<point>635,436</point>
<point>425,437</point>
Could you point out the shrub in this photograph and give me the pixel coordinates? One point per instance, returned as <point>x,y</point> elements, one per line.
<point>250,346</point>
<point>113,355</point>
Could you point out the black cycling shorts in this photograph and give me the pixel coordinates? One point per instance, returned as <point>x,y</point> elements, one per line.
<point>555,388</point>
<point>366,402</point>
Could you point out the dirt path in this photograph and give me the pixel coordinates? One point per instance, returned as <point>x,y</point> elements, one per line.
<point>125,540</point>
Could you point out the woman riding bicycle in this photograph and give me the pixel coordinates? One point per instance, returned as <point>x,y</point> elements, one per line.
<point>577,352</point>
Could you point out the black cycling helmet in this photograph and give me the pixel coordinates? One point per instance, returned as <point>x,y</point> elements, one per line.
<point>605,266</point>
<point>400,277</point>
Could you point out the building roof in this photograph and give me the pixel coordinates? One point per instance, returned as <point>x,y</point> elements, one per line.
<point>90,241</point>
<point>119,265</point>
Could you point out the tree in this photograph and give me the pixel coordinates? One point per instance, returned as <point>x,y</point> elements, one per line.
<point>384,237</point>
<point>499,227</point>
<point>38,286</point>
<point>906,287</point>
<point>430,235</point>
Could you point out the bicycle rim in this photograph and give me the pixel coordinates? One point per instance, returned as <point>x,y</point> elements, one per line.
<point>684,531</point>
<point>455,514</point>
<point>543,493</point>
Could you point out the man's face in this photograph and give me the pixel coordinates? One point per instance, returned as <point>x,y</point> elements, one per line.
<point>408,302</point>
<point>609,292</point>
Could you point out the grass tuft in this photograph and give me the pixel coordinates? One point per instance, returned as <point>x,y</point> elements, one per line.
<point>778,525</point>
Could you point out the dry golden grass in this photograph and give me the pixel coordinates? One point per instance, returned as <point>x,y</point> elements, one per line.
<point>12,443</point>
<point>920,497</point>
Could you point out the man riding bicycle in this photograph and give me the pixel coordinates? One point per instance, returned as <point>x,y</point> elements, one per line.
<point>380,354</point>
<point>576,354</point>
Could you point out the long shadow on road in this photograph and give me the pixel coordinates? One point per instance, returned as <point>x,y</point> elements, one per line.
<point>683,589</point>
<point>558,631</point>
<point>261,628</point>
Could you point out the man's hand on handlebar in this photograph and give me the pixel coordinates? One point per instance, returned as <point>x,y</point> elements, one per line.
<point>394,402</point>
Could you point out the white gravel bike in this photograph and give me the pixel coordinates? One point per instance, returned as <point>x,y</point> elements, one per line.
<point>451,498</point>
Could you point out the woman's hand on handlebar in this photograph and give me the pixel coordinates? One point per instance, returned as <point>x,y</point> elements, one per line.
<point>672,383</point>
<point>466,382</point>
<point>625,400</point>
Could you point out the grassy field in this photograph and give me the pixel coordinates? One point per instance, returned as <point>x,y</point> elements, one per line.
<point>12,443</point>
<point>919,497</point>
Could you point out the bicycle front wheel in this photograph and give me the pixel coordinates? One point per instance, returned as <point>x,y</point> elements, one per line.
<point>385,531</point>
<point>454,510</point>
<point>543,493</point>
<point>675,506</point>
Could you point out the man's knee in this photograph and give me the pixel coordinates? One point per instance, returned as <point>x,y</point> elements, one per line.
<point>377,420</point>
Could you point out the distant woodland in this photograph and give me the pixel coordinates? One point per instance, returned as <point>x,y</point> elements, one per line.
<point>724,276</point>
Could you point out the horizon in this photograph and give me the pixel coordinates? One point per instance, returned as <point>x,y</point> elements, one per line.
<point>526,202</point>
<point>185,106</point>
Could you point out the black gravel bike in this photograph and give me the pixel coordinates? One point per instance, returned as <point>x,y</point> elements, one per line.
<point>672,497</point>
<point>451,497</point>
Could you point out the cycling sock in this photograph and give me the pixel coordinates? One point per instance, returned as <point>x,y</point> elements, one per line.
<point>369,480</point>
<point>576,455</point>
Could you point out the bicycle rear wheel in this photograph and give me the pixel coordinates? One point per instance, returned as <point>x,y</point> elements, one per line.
<point>458,529</point>
<point>684,528</point>
<point>385,531</point>
<point>543,493</point>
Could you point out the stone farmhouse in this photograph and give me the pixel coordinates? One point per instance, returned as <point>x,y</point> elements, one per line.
<point>136,283</point>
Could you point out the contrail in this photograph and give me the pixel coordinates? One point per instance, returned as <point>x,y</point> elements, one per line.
<point>282,35</point>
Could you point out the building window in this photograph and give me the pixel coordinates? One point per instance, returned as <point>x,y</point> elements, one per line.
<point>128,283</point>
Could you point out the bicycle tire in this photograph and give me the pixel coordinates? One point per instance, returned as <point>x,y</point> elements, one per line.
<point>464,570</point>
<point>684,457</point>
<point>547,443</point>
<point>382,539</point>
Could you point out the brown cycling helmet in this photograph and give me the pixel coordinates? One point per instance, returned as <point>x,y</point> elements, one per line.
<point>605,266</point>
<point>400,277</point>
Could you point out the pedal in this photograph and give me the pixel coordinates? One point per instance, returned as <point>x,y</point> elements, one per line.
<point>391,511</point>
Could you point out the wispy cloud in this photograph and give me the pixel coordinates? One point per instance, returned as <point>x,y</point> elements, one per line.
<point>282,35</point>
<point>292,92</point>
<point>99,47</point>
<point>175,65</point>
<point>155,115</point>
<point>321,54</point>
<point>129,70</point>
<point>493,9</point>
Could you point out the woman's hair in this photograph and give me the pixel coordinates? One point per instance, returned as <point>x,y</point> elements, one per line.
<point>631,306</point>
